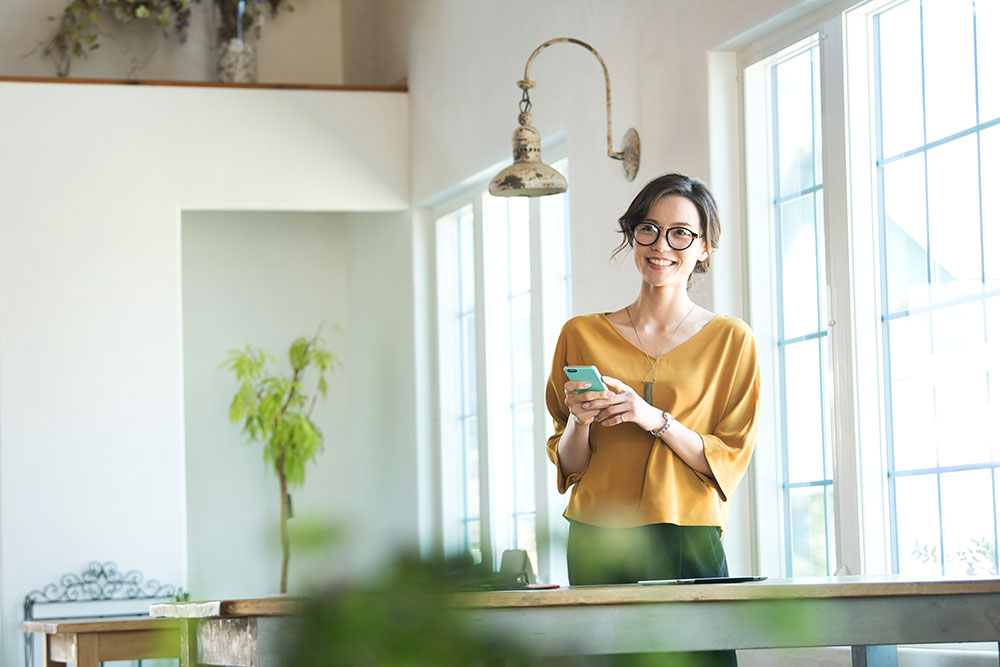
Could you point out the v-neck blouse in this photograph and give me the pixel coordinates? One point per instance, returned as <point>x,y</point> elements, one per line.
<point>710,383</point>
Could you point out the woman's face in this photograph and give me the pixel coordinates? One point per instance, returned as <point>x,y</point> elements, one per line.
<point>659,264</point>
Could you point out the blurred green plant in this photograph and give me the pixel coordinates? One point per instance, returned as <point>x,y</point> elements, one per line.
<point>404,619</point>
<point>276,411</point>
<point>76,34</point>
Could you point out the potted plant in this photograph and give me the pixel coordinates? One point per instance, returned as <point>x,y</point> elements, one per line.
<point>76,33</point>
<point>276,409</point>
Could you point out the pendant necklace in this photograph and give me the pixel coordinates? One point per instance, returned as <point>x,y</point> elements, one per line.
<point>650,378</point>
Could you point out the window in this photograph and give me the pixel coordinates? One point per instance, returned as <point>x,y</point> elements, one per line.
<point>503,293</point>
<point>796,233</point>
<point>937,144</point>
<point>874,255</point>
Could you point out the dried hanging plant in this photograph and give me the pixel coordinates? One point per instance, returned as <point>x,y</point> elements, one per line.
<point>77,34</point>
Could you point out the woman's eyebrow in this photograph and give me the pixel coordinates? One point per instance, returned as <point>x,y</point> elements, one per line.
<point>678,223</point>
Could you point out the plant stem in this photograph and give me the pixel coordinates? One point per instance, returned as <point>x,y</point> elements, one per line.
<point>285,547</point>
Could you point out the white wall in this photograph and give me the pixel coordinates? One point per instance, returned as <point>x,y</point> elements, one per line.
<point>303,46</point>
<point>91,407</point>
<point>264,278</point>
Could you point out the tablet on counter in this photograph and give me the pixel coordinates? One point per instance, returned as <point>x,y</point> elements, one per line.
<point>702,580</point>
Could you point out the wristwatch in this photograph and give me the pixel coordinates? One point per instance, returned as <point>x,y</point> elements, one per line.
<point>668,421</point>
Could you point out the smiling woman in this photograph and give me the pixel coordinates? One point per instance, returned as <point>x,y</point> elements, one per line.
<point>651,474</point>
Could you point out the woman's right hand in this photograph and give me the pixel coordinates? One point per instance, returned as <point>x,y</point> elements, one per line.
<point>585,406</point>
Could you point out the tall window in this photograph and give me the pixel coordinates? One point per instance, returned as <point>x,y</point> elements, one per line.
<point>874,252</point>
<point>793,223</point>
<point>459,405</point>
<point>937,146</point>
<point>503,285</point>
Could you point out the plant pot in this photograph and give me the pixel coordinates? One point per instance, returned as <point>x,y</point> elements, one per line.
<point>236,61</point>
<point>238,25</point>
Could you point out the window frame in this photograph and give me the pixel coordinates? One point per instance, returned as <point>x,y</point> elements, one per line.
<point>858,492</point>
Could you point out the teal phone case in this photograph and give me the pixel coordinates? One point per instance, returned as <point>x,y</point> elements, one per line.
<point>585,374</point>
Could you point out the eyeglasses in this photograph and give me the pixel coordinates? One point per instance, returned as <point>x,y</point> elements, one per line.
<point>678,238</point>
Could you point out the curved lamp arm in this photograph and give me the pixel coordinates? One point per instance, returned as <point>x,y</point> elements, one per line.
<point>529,176</point>
<point>630,150</point>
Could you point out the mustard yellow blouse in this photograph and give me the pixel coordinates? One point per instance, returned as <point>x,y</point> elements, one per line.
<point>710,383</point>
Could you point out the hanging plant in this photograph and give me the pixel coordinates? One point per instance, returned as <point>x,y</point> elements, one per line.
<point>77,34</point>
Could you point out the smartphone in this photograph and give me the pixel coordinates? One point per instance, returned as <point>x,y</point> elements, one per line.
<point>585,374</point>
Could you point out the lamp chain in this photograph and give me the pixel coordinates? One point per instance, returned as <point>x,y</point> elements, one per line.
<point>525,104</point>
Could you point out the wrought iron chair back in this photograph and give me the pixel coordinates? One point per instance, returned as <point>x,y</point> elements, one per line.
<point>100,583</point>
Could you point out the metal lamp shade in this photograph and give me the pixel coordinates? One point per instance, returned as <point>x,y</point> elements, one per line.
<point>528,176</point>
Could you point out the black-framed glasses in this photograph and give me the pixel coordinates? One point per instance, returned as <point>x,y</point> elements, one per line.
<point>678,238</point>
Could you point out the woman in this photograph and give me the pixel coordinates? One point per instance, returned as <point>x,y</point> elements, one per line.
<point>653,461</point>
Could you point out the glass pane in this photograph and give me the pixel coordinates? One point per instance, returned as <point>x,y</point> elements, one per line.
<point>987,29</point>
<point>817,120</point>
<point>825,404</point>
<point>808,538</point>
<point>953,210</point>
<point>526,538</point>
<point>967,517</point>
<point>524,459</point>
<point>470,443</point>
<point>949,67</point>
<point>803,412</point>
<point>918,537</point>
<point>474,541</point>
<point>905,233</point>
<point>794,115</point>
<point>989,152</point>
<point>831,544</point>
<point>901,91</point>
<point>960,385</point>
<point>468,398</point>
<point>519,245</point>
<point>520,339</point>
<point>912,393</point>
<point>993,365</point>
<point>799,277</point>
<point>467,262</point>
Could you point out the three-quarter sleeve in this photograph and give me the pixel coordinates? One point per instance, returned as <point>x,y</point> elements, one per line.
<point>730,444</point>
<point>556,404</point>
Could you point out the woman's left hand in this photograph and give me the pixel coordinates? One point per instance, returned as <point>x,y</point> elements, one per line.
<point>628,406</point>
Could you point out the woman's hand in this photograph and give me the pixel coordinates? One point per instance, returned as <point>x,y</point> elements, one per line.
<point>627,406</point>
<point>585,406</point>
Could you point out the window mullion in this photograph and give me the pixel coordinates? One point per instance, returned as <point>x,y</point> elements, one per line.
<point>842,368</point>
<point>541,423</point>
<point>861,102</point>
<point>483,363</point>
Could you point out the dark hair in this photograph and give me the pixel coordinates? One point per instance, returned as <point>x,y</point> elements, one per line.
<point>691,189</point>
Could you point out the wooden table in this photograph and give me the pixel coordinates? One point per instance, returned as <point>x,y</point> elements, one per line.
<point>870,614</point>
<point>87,642</point>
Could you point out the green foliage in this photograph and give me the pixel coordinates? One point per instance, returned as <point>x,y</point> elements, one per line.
<point>76,33</point>
<point>979,558</point>
<point>405,620</point>
<point>276,410</point>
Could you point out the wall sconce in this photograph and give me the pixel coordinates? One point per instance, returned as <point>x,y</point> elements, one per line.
<point>529,176</point>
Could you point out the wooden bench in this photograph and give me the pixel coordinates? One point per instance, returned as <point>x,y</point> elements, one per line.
<point>89,642</point>
<point>72,610</point>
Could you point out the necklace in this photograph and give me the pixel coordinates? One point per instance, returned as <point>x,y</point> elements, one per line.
<point>650,378</point>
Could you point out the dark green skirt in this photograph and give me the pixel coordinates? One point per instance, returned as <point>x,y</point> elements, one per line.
<point>597,555</point>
